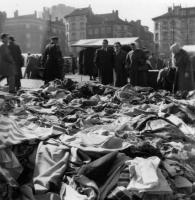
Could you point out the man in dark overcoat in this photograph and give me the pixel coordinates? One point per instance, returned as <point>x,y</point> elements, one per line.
<point>52,61</point>
<point>135,61</point>
<point>18,59</point>
<point>104,61</point>
<point>119,66</point>
<point>7,64</point>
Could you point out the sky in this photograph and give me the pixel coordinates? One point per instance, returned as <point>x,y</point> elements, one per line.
<point>144,10</point>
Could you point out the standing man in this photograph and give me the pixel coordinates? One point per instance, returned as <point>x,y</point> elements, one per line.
<point>104,61</point>
<point>119,66</point>
<point>52,61</point>
<point>7,64</point>
<point>135,61</point>
<point>181,61</point>
<point>18,59</point>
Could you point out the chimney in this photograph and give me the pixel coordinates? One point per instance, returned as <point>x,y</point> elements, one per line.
<point>35,14</point>
<point>169,9</point>
<point>138,22</point>
<point>116,13</point>
<point>16,13</point>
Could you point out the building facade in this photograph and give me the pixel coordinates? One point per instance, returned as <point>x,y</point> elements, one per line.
<point>32,33</point>
<point>84,24</point>
<point>177,25</point>
<point>2,21</point>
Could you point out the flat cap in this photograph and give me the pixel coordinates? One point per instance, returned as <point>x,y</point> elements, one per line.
<point>3,35</point>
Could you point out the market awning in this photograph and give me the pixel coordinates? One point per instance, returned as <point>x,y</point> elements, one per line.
<point>189,48</point>
<point>98,42</point>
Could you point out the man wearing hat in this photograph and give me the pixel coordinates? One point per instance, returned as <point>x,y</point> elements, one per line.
<point>7,64</point>
<point>18,59</point>
<point>52,61</point>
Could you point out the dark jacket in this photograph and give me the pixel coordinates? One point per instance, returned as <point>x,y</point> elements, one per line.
<point>7,65</point>
<point>135,62</point>
<point>17,56</point>
<point>88,64</point>
<point>52,61</point>
<point>104,61</point>
<point>119,69</point>
<point>184,79</point>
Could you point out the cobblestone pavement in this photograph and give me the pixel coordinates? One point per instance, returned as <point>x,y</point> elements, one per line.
<point>34,83</point>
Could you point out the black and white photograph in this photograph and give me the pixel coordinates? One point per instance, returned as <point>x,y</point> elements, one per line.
<point>97,100</point>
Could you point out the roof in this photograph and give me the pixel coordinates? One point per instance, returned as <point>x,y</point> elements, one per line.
<point>106,18</point>
<point>162,16</point>
<point>79,12</point>
<point>98,42</point>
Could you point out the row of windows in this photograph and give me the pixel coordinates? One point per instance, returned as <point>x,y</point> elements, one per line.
<point>99,30</point>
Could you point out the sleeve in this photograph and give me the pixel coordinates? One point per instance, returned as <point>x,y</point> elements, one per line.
<point>96,59</point>
<point>127,61</point>
<point>21,59</point>
<point>44,56</point>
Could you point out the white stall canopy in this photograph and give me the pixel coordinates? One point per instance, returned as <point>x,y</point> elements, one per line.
<point>98,42</point>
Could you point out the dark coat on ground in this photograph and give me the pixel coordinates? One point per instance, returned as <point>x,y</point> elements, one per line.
<point>184,79</point>
<point>17,56</point>
<point>7,64</point>
<point>119,69</point>
<point>53,63</point>
<point>104,61</point>
<point>136,63</point>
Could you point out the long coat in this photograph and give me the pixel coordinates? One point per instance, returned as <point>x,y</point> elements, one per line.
<point>119,69</point>
<point>52,61</point>
<point>7,64</point>
<point>104,61</point>
<point>184,78</point>
<point>17,56</point>
<point>88,58</point>
<point>136,61</point>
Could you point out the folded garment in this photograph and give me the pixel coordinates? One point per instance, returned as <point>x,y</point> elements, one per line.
<point>11,133</point>
<point>50,165</point>
<point>143,173</point>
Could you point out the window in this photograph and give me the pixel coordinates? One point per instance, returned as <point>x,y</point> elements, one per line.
<point>54,30</point>
<point>96,31</point>
<point>90,32</point>
<point>156,37</point>
<point>73,25</point>
<point>156,25</point>
<point>82,35</point>
<point>27,25</point>
<point>67,27</point>
<point>28,35</point>
<point>82,25</point>
<point>108,30</point>
<point>28,45</point>
<point>103,30</point>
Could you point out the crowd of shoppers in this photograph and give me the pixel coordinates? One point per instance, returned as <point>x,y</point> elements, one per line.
<point>11,61</point>
<point>113,66</point>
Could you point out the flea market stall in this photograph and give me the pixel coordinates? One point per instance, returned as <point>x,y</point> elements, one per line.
<point>86,141</point>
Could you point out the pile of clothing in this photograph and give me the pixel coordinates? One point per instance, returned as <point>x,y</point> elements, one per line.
<point>87,141</point>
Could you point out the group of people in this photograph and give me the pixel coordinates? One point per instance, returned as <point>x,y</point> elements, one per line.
<point>117,67</point>
<point>179,74</point>
<point>114,67</point>
<point>11,61</point>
